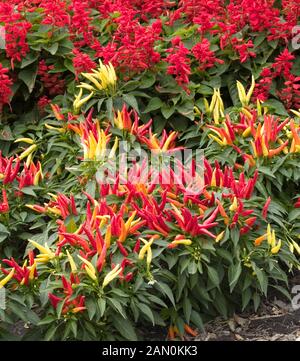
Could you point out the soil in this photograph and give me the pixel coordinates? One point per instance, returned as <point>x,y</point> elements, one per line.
<point>276,320</point>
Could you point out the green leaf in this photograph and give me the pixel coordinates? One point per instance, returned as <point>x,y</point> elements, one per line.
<point>220,304</point>
<point>276,106</point>
<point>102,306</point>
<point>197,320</point>
<point>4,232</point>
<point>73,324</point>
<point>146,311</point>
<point>29,59</point>
<point>109,108</point>
<point>186,109</point>
<point>91,188</point>
<point>32,317</point>
<point>50,333</point>
<point>154,104</point>
<point>284,291</point>
<point>70,223</point>
<point>91,307</point>
<point>167,111</point>
<point>167,291</point>
<point>225,254</point>
<point>124,327</point>
<point>69,65</point>
<point>262,278</point>
<point>131,100</point>
<point>232,88</point>
<point>117,306</point>
<point>147,81</point>
<point>29,191</point>
<point>256,301</point>
<point>234,273</point>
<point>131,85</point>
<point>187,309</point>
<point>266,171</point>
<point>192,267</point>
<point>294,214</point>
<point>246,297</point>
<point>213,276</point>
<point>52,49</point>
<point>28,76</point>
<point>235,235</point>
<point>46,320</point>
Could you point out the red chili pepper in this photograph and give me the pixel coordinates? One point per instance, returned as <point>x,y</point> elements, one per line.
<point>212,217</point>
<point>73,205</point>
<point>137,246</point>
<point>250,221</point>
<point>122,249</point>
<point>54,299</point>
<point>90,237</point>
<point>266,207</point>
<point>129,277</point>
<point>101,259</point>
<point>8,172</point>
<point>15,171</point>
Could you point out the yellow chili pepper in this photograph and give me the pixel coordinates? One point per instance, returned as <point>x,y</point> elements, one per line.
<point>250,91</point>
<point>269,234</point>
<point>145,248</point>
<point>50,127</point>
<point>25,140</point>
<point>219,236</point>
<point>28,151</point>
<point>186,242</point>
<point>72,263</point>
<point>44,250</point>
<point>246,132</point>
<point>234,205</point>
<point>276,248</point>
<point>111,275</point>
<point>89,266</point>
<point>297,247</point>
<point>241,93</point>
<point>149,256</point>
<point>91,274</point>
<point>7,278</point>
<point>247,113</point>
<point>258,106</point>
<point>295,112</point>
<point>32,270</point>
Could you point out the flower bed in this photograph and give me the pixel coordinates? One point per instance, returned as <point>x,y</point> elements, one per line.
<point>104,225</point>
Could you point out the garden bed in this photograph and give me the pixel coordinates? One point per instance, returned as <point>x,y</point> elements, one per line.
<point>149,168</point>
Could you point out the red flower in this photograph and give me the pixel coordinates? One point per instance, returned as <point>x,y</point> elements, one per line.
<point>4,206</point>
<point>297,204</point>
<point>82,63</point>
<point>179,63</point>
<point>52,82</point>
<point>242,48</point>
<point>283,63</point>
<point>204,55</point>
<point>43,102</point>
<point>55,13</point>
<point>5,84</point>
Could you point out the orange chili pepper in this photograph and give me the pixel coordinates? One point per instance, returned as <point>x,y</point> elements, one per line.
<point>171,333</point>
<point>260,239</point>
<point>190,331</point>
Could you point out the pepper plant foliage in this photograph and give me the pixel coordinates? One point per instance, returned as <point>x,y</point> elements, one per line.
<point>86,259</point>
